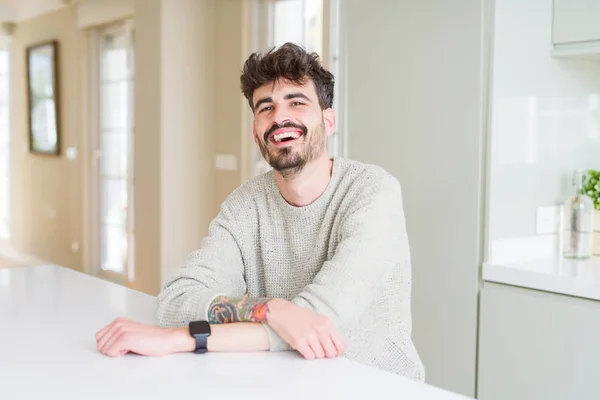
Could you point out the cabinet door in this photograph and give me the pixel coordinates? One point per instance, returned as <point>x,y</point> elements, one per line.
<point>576,21</point>
<point>537,345</point>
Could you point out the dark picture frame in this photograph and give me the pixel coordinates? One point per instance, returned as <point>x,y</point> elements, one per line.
<point>43,98</point>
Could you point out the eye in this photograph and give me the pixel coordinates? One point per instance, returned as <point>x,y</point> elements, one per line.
<point>267,108</point>
<point>297,103</point>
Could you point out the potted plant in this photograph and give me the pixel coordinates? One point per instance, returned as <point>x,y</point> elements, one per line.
<point>592,189</point>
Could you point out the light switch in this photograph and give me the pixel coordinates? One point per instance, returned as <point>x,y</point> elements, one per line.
<point>226,162</point>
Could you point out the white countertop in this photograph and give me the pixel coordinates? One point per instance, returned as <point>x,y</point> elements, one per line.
<point>579,278</point>
<point>49,316</point>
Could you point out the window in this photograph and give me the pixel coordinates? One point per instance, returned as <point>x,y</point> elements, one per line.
<point>299,21</point>
<point>114,152</point>
<point>5,181</point>
<point>312,24</point>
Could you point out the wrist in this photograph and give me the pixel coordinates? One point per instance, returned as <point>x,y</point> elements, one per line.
<point>275,309</point>
<point>212,342</point>
<point>182,341</point>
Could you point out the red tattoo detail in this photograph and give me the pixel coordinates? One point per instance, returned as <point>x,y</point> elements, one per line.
<point>259,312</point>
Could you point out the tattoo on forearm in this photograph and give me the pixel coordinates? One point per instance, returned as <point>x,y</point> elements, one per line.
<point>225,309</point>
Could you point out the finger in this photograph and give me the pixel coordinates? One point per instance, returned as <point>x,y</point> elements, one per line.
<point>315,346</point>
<point>110,337</point>
<point>328,346</point>
<point>305,350</point>
<point>104,330</point>
<point>339,342</point>
<point>116,346</point>
<point>116,326</point>
<point>107,332</point>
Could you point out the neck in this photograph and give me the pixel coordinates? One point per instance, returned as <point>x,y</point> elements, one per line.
<point>306,186</point>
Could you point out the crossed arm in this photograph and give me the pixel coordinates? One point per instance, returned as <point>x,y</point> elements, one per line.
<point>236,326</point>
<point>313,323</point>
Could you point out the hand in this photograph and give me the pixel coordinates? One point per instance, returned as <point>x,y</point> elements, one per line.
<point>308,332</point>
<point>122,336</point>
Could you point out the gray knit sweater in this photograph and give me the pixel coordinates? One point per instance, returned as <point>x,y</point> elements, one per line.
<point>345,256</point>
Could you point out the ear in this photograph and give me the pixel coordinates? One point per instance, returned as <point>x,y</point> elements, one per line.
<point>254,132</point>
<point>329,121</point>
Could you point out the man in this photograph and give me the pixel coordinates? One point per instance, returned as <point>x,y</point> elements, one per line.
<point>311,256</point>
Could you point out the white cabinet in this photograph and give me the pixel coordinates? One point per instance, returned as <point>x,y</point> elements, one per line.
<point>576,27</point>
<point>537,345</point>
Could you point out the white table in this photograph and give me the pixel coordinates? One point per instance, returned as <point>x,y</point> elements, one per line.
<point>50,314</point>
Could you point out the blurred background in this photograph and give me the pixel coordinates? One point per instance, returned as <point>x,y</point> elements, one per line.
<point>122,129</point>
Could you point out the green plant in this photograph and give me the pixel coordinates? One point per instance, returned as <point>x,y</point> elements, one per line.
<point>592,187</point>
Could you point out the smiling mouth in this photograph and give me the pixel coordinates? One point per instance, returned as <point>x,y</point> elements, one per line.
<point>285,138</point>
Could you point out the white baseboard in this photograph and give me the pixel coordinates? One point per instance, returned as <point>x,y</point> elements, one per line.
<point>17,257</point>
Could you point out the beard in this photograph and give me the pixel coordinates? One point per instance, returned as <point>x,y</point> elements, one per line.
<point>289,161</point>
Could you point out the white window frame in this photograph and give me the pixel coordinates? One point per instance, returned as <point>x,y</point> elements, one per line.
<point>128,274</point>
<point>261,38</point>
<point>5,225</point>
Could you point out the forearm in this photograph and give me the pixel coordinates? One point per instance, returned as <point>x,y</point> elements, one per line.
<point>285,326</point>
<point>234,337</point>
<point>249,311</point>
<point>238,337</point>
<point>226,309</point>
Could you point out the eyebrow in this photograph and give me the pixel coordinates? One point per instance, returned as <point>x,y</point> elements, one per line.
<point>262,101</point>
<point>286,97</point>
<point>296,95</point>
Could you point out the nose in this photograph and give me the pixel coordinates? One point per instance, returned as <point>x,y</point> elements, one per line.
<point>280,116</point>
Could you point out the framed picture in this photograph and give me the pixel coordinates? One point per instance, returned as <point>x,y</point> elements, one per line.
<point>42,88</point>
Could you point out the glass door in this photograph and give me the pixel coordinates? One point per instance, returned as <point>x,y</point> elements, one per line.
<point>114,175</point>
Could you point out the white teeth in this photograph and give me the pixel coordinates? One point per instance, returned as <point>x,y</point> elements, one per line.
<point>280,136</point>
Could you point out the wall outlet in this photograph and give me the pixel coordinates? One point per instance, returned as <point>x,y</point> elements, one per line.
<point>548,220</point>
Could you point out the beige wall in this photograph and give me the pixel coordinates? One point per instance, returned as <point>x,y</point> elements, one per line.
<point>188,108</point>
<point>188,127</point>
<point>47,196</point>
<point>147,157</point>
<point>201,107</point>
<point>230,125</point>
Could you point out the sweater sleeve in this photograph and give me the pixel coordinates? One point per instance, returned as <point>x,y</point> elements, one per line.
<point>373,243</point>
<point>216,269</point>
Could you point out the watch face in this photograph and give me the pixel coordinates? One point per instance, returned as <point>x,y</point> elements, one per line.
<point>199,328</point>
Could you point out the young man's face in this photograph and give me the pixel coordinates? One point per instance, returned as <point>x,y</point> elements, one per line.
<point>289,126</point>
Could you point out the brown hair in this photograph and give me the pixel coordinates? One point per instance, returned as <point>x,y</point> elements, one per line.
<point>290,63</point>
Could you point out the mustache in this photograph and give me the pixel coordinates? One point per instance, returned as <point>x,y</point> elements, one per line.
<point>284,125</point>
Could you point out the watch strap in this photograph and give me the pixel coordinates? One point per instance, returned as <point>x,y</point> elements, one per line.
<point>201,343</point>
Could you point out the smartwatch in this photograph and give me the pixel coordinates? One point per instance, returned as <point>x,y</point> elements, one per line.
<point>200,330</point>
